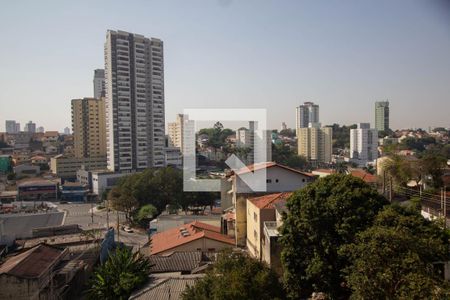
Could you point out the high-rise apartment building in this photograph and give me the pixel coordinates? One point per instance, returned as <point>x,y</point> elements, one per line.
<point>12,127</point>
<point>67,130</point>
<point>363,144</point>
<point>134,77</point>
<point>99,83</point>
<point>306,113</point>
<point>382,115</point>
<point>247,138</point>
<point>40,129</point>
<point>315,143</point>
<point>175,132</point>
<point>30,127</point>
<point>89,127</point>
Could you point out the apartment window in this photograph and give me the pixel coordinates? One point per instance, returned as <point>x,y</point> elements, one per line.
<point>255,234</point>
<point>268,180</point>
<point>255,217</point>
<point>276,180</point>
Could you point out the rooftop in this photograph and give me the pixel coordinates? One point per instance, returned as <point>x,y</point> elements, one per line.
<point>267,165</point>
<point>268,201</point>
<point>187,233</point>
<point>180,261</point>
<point>33,262</point>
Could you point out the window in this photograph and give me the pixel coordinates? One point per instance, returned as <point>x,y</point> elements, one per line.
<point>255,216</point>
<point>276,180</point>
<point>255,234</point>
<point>303,180</point>
<point>268,180</point>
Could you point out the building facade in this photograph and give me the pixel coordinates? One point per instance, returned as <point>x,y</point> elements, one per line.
<point>11,126</point>
<point>306,113</point>
<point>89,127</point>
<point>363,144</point>
<point>134,77</point>
<point>30,127</point>
<point>315,143</point>
<point>382,115</point>
<point>66,167</point>
<point>176,132</point>
<point>99,83</point>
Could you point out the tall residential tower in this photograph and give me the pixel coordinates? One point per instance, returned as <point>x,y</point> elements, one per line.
<point>363,144</point>
<point>99,83</point>
<point>382,115</point>
<point>134,77</point>
<point>306,113</point>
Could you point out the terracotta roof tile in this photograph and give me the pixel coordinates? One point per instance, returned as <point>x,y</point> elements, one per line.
<point>264,165</point>
<point>366,176</point>
<point>174,237</point>
<point>268,201</point>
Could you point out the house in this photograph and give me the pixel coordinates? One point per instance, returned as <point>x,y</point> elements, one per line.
<point>27,275</point>
<point>183,262</point>
<point>279,179</point>
<point>166,287</point>
<point>26,170</point>
<point>259,211</point>
<point>194,236</point>
<point>50,136</point>
<point>39,160</point>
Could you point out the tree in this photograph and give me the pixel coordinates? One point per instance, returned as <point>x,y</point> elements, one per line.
<point>235,275</point>
<point>321,218</point>
<point>122,199</point>
<point>288,132</point>
<point>146,213</point>
<point>283,155</point>
<point>399,169</point>
<point>119,275</point>
<point>395,258</point>
<point>433,163</point>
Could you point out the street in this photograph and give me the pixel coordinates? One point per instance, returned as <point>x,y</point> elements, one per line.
<point>79,213</point>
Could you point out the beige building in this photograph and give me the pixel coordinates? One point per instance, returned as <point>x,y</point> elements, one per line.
<point>260,210</point>
<point>89,127</point>
<point>176,132</point>
<point>67,166</point>
<point>279,179</point>
<point>315,143</point>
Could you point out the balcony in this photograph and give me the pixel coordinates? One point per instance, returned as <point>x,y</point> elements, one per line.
<point>271,229</point>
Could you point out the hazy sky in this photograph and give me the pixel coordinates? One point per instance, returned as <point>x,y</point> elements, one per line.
<point>343,55</point>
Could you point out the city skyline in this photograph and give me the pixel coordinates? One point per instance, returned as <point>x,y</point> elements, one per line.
<point>402,57</point>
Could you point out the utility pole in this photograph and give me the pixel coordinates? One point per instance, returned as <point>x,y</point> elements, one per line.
<point>118,229</point>
<point>445,208</point>
<point>92,212</point>
<point>107,214</point>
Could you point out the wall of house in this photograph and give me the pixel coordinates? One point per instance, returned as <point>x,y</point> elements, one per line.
<point>255,221</point>
<point>204,244</point>
<point>17,288</point>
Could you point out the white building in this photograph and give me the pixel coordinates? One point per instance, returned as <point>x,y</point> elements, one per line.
<point>247,138</point>
<point>105,180</point>
<point>363,144</point>
<point>134,77</point>
<point>11,126</point>
<point>99,83</point>
<point>306,113</point>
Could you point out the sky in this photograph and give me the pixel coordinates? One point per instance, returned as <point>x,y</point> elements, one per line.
<point>342,55</point>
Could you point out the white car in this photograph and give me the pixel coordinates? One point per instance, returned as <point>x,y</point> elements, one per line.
<point>127,229</point>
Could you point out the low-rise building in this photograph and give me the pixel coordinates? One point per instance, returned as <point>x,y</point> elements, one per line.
<point>195,236</point>
<point>105,180</point>
<point>74,192</point>
<point>26,170</point>
<point>173,157</point>
<point>28,275</point>
<point>66,167</point>
<point>260,210</point>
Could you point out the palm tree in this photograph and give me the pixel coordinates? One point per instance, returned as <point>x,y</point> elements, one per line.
<point>119,275</point>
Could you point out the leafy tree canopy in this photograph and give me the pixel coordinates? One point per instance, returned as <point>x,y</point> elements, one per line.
<point>395,258</point>
<point>235,275</point>
<point>323,217</point>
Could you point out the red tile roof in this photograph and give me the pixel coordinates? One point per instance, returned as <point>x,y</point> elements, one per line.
<point>33,262</point>
<point>173,238</point>
<point>366,176</point>
<point>268,201</point>
<point>266,165</point>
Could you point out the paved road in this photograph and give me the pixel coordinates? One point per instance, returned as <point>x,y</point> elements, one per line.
<point>80,214</point>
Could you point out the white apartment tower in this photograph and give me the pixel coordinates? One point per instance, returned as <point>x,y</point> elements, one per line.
<point>134,80</point>
<point>363,144</point>
<point>306,113</point>
<point>99,83</point>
